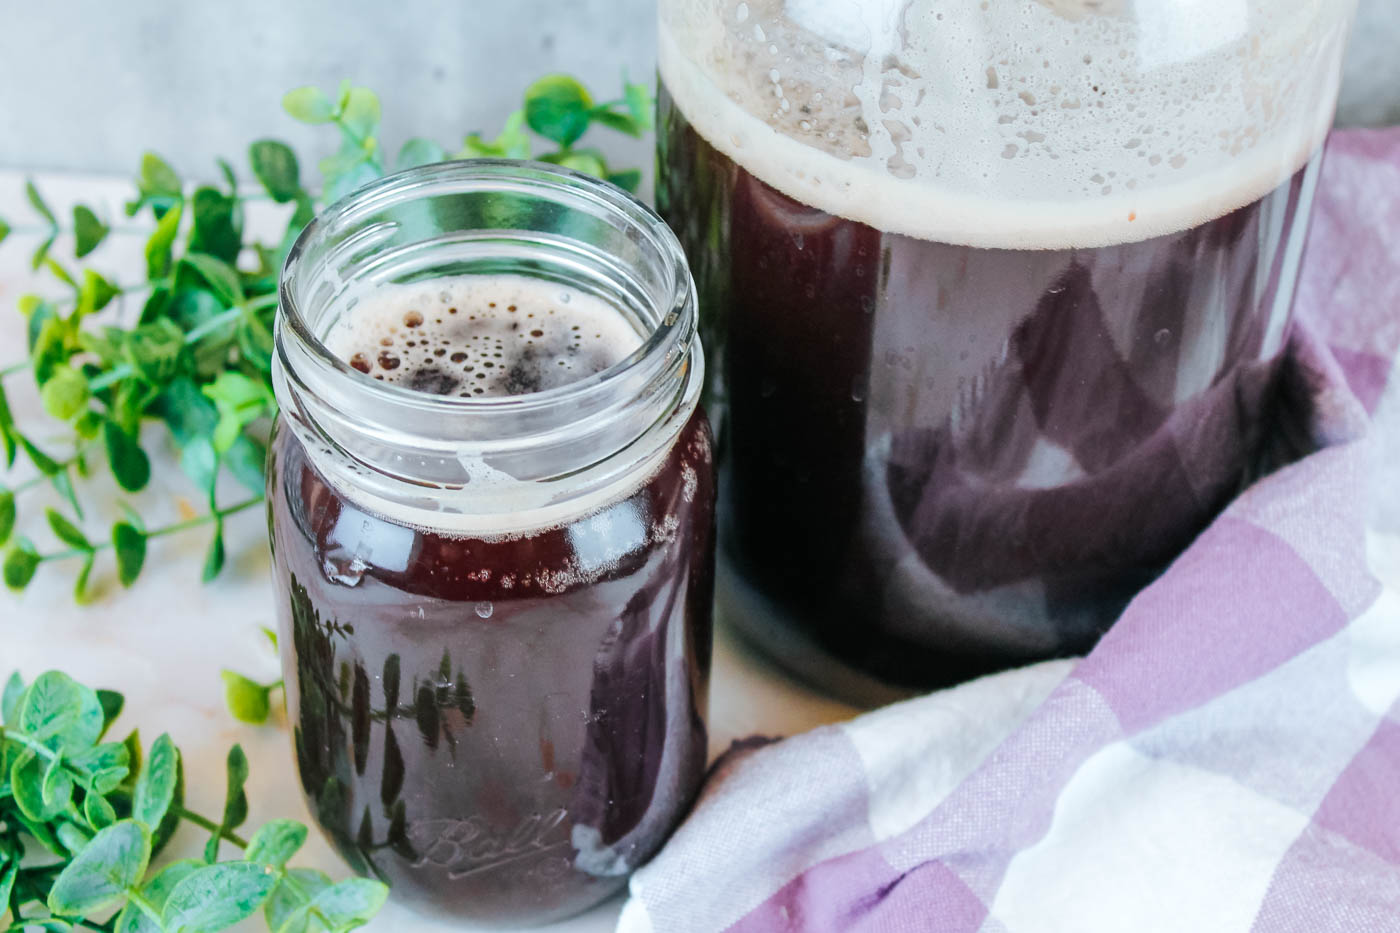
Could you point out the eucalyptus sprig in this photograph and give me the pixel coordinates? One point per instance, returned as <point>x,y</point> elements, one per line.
<point>81,819</point>
<point>197,356</point>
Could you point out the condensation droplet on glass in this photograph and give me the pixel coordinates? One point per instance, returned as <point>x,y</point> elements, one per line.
<point>767,387</point>
<point>858,391</point>
<point>484,610</point>
<point>741,13</point>
<point>1162,336</point>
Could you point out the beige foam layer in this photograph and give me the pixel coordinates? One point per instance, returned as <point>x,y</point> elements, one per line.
<point>986,139</point>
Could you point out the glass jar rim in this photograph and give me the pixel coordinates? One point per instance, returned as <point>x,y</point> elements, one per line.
<point>540,175</point>
<point>504,456</point>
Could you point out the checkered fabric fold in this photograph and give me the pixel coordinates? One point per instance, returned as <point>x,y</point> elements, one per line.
<point>1227,759</point>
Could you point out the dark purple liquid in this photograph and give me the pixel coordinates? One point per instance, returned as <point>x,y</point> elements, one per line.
<point>501,729</point>
<point>938,460</point>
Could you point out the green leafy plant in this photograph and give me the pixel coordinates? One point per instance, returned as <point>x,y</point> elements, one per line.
<point>81,819</point>
<point>197,357</point>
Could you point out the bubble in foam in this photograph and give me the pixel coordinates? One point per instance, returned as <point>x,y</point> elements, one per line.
<point>518,335</point>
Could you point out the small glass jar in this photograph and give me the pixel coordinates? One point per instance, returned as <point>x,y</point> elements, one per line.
<point>494,612</point>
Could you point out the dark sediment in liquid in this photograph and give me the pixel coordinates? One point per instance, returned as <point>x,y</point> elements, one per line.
<point>501,727</point>
<point>939,460</point>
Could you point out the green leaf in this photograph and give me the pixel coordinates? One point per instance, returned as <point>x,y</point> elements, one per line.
<point>21,561</point>
<point>640,103</point>
<point>42,253</point>
<point>344,173</point>
<point>286,899</point>
<point>4,232</point>
<point>8,872</point>
<point>156,892</point>
<point>98,812</point>
<point>157,177</point>
<point>64,393</point>
<point>88,230</point>
<point>27,786</point>
<point>513,143</point>
<point>55,783</point>
<point>130,465</point>
<point>99,876</point>
<point>275,842</point>
<point>557,107</point>
<point>64,485</point>
<point>222,277</point>
<point>95,293</point>
<point>61,713</point>
<point>9,700</point>
<point>186,412</point>
<point>587,161</point>
<point>256,343</point>
<point>129,544</point>
<point>622,122</point>
<point>60,273</point>
<point>37,202</point>
<point>103,767</point>
<point>246,460</point>
<point>153,350</point>
<point>155,788</point>
<point>309,105</point>
<point>419,151</point>
<point>235,800</point>
<point>66,531</point>
<point>214,557</point>
<point>49,348</point>
<point>112,703</point>
<point>247,700</point>
<point>81,596</point>
<point>7,431</point>
<point>351,902</point>
<point>230,179</point>
<point>275,165</point>
<point>42,461</point>
<point>7,514</point>
<point>217,229</point>
<point>71,836</point>
<point>217,896</point>
<point>240,401</point>
<point>626,180</point>
<point>359,114</point>
<point>158,246</point>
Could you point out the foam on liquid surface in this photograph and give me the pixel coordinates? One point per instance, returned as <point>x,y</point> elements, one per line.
<point>1028,124</point>
<point>477,336</point>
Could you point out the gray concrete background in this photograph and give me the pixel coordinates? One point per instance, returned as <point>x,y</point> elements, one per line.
<point>90,84</point>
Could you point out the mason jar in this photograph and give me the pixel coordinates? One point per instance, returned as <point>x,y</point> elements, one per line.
<point>996,296</point>
<point>494,609</point>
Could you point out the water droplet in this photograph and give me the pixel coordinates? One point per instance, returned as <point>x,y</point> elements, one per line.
<point>767,387</point>
<point>484,610</point>
<point>1162,336</point>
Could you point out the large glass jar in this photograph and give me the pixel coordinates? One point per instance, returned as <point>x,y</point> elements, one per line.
<point>995,294</point>
<point>494,611</point>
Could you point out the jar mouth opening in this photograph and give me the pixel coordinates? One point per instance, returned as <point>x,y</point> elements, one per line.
<point>670,331</point>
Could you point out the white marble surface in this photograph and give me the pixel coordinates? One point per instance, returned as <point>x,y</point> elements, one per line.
<point>164,641</point>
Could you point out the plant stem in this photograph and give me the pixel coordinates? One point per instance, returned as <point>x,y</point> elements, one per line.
<point>206,823</point>
<point>39,749</point>
<point>63,465</point>
<point>118,373</point>
<point>195,522</point>
<point>146,906</point>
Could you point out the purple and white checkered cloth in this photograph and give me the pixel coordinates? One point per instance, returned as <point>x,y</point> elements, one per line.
<point>1227,759</point>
